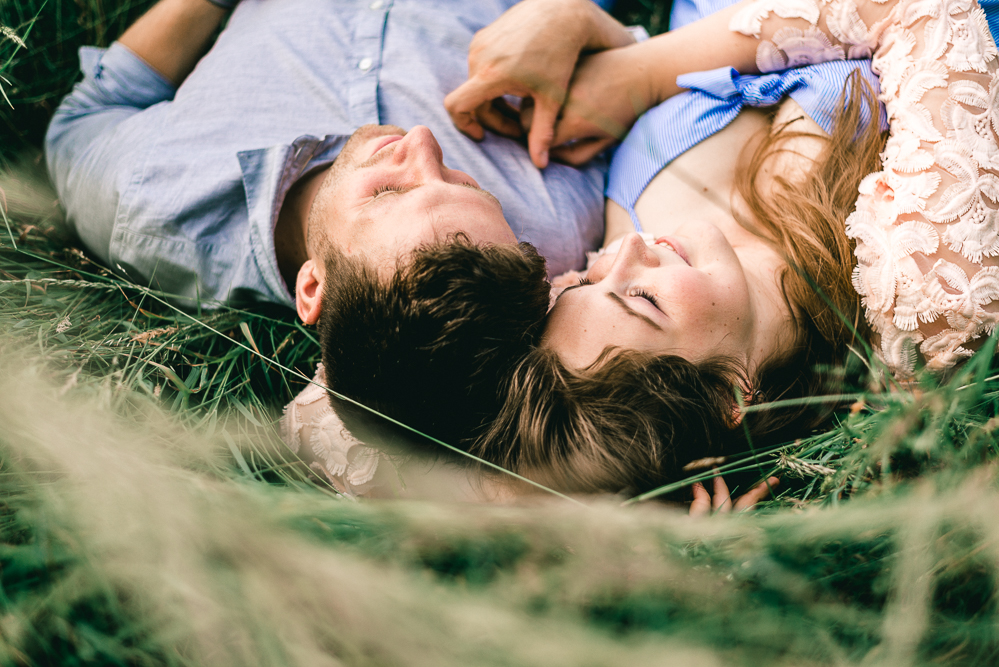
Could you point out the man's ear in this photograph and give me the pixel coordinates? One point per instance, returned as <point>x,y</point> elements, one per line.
<point>309,292</point>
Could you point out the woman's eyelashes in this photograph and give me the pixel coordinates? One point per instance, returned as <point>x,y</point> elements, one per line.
<point>639,292</point>
<point>651,298</point>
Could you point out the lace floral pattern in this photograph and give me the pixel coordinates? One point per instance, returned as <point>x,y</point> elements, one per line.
<point>927,224</point>
<point>332,451</point>
<point>792,47</point>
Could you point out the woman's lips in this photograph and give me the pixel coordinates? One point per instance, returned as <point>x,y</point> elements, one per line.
<point>675,246</point>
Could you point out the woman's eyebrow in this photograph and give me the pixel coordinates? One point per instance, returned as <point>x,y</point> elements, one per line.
<point>631,311</point>
<point>569,289</point>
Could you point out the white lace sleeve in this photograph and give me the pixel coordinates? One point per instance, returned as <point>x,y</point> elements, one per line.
<point>926,225</point>
<point>313,430</point>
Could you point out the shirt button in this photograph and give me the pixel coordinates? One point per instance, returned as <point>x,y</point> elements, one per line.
<point>365,64</point>
<point>377,4</point>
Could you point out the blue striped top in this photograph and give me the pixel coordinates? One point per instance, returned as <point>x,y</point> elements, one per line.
<point>713,99</point>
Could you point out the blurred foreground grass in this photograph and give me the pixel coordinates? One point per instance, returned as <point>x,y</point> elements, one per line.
<point>148,515</point>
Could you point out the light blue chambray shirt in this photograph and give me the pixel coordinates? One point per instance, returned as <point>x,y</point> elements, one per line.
<point>181,188</point>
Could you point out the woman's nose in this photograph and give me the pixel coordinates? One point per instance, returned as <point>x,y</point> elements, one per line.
<point>631,258</point>
<point>634,250</point>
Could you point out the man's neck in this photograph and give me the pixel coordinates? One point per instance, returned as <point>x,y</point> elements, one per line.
<point>292,225</point>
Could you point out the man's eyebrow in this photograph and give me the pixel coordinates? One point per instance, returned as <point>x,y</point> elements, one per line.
<point>483,191</point>
<point>634,313</point>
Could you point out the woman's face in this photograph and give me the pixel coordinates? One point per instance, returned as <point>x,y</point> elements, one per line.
<point>695,294</point>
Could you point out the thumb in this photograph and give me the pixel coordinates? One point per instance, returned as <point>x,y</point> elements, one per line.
<point>539,140</point>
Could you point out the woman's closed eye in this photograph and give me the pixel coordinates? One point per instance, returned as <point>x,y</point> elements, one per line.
<point>648,296</point>
<point>639,292</point>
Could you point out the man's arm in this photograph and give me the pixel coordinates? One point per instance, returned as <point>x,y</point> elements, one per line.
<point>173,35</point>
<point>87,145</point>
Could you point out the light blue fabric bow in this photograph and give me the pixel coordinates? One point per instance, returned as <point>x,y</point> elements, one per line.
<point>713,99</point>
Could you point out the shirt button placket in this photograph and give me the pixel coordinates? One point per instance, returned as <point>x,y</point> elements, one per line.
<point>368,44</point>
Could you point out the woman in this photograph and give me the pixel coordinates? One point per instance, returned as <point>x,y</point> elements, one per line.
<point>726,291</point>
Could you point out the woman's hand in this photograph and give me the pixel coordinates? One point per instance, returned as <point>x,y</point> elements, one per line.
<point>609,91</point>
<point>529,52</point>
<point>704,503</point>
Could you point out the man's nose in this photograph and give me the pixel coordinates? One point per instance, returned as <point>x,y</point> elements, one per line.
<point>420,151</point>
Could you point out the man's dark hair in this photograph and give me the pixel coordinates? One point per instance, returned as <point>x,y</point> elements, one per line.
<point>432,345</point>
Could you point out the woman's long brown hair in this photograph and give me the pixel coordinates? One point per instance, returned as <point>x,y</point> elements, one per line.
<point>805,217</point>
<point>630,422</point>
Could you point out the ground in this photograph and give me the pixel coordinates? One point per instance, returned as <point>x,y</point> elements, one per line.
<point>149,516</point>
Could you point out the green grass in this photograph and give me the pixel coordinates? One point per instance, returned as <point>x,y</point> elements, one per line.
<point>149,516</point>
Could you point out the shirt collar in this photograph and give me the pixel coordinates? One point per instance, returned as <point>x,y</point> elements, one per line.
<point>268,174</point>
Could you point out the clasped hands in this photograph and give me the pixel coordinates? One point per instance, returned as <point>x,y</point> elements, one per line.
<point>571,63</point>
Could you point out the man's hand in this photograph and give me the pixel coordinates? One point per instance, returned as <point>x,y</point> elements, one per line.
<point>529,52</point>
<point>704,503</point>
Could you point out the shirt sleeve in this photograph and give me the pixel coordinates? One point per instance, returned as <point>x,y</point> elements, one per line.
<point>926,225</point>
<point>83,147</point>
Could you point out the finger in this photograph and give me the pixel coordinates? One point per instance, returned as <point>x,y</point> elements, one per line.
<point>539,140</point>
<point>722,500</point>
<point>463,102</point>
<point>572,127</point>
<point>580,152</point>
<point>527,114</point>
<point>580,120</point>
<point>756,494</point>
<point>468,124</point>
<point>494,116</point>
<point>701,505</point>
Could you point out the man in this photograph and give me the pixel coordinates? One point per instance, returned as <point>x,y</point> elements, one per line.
<point>242,176</point>
<point>205,189</point>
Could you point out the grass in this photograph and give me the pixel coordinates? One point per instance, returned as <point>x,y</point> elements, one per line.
<point>148,515</point>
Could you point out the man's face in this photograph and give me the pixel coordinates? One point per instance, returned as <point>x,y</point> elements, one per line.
<point>389,192</point>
